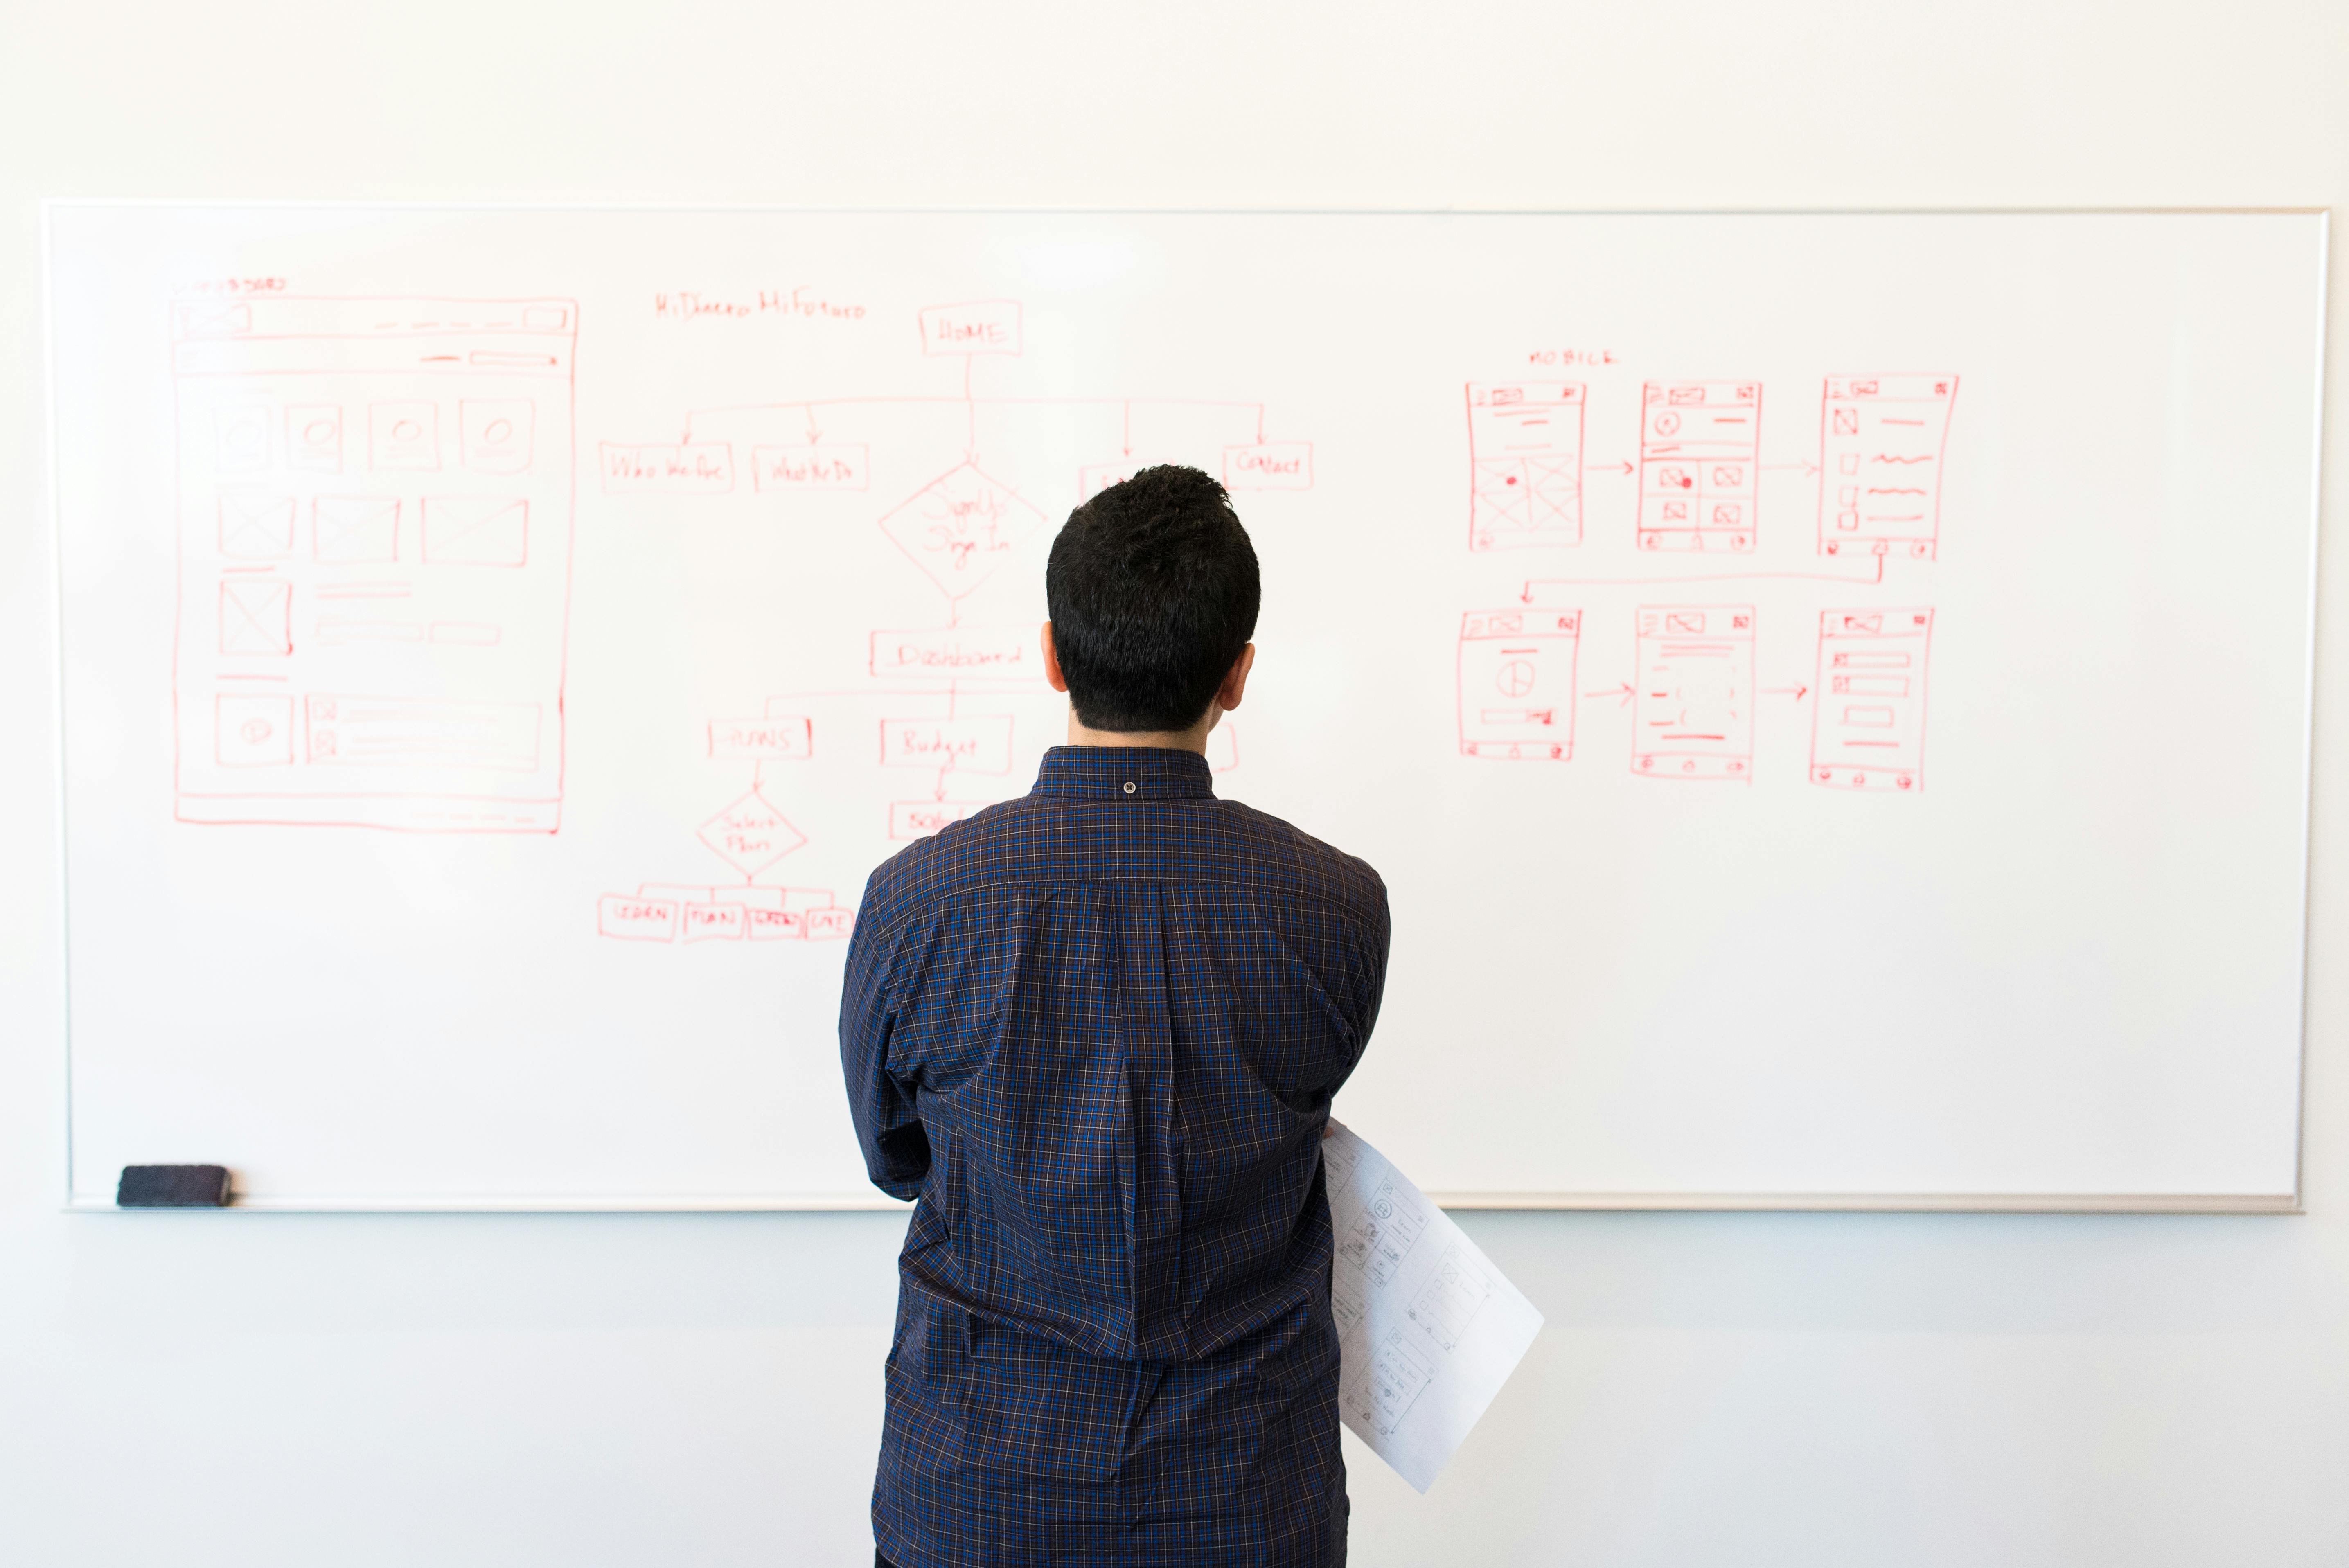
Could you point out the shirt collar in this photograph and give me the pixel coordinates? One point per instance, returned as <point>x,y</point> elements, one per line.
<point>1125,773</point>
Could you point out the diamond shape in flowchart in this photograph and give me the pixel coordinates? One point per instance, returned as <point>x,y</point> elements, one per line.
<point>960,527</point>
<point>751,834</point>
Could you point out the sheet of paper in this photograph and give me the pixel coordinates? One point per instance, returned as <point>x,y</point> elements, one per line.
<point>1428,1329</point>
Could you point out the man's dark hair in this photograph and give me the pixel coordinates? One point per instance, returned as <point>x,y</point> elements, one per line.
<point>1153,590</point>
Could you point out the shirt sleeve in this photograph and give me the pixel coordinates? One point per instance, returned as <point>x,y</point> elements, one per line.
<point>888,1119</point>
<point>1377,940</point>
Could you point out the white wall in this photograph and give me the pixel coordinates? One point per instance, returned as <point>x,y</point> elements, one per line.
<point>275,1390</point>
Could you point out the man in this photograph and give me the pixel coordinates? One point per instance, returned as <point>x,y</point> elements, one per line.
<point>1095,1031</point>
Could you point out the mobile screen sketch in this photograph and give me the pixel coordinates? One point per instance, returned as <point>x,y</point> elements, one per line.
<point>1525,442</point>
<point>1517,684</point>
<point>373,537</point>
<point>1870,720</point>
<point>1881,440</point>
<point>1700,464</point>
<point>1696,708</point>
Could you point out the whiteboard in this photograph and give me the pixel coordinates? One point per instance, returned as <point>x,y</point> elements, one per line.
<point>1828,694</point>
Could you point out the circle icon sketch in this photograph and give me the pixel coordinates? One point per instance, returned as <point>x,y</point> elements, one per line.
<point>1515,678</point>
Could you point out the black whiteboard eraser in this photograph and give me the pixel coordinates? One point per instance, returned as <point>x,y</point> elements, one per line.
<point>172,1187</point>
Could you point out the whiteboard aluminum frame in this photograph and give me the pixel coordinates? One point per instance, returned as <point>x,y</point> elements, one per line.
<point>876,1201</point>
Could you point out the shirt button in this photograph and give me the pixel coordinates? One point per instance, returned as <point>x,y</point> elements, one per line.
<point>1129,785</point>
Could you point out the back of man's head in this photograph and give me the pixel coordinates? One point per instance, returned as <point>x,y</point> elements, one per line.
<point>1153,591</point>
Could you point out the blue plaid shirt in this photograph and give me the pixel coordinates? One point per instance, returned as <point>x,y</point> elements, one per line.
<point>1094,1031</point>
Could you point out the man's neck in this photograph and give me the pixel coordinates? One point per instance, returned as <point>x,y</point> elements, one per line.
<point>1192,739</point>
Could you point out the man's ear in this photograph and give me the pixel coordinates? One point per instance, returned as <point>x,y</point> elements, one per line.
<point>1234,686</point>
<point>1052,675</point>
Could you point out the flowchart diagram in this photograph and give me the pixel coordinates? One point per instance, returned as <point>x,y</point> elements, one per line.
<point>1694,684</point>
<point>951,704</point>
